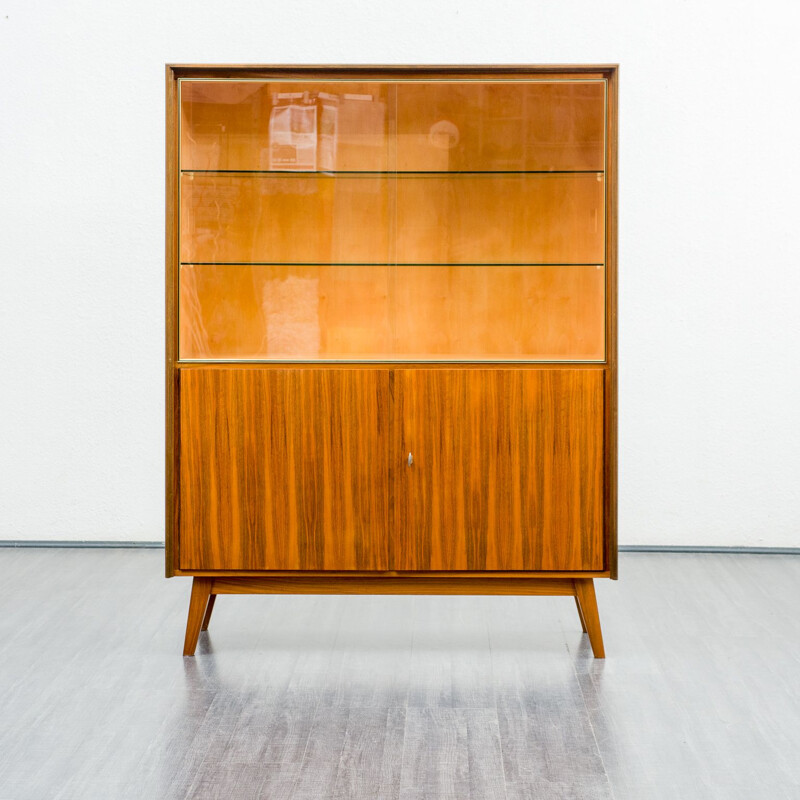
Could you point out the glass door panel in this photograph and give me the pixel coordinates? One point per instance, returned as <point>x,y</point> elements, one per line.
<point>284,218</point>
<point>421,313</point>
<point>510,125</point>
<point>500,219</point>
<point>328,312</point>
<point>488,313</point>
<point>409,220</point>
<point>297,126</point>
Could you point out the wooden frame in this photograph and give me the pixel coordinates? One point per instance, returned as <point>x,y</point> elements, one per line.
<point>209,583</point>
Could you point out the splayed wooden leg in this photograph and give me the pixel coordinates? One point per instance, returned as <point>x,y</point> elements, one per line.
<point>580,614</point>
<point>209,608</point>
<point>201,591</point>
<point>584,594</point>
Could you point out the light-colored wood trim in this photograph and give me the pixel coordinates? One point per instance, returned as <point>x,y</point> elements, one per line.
<point>610,411</point>
<point>590,619</point>
<point>201,591</point>
<point>378,71</point>
<point>171,345</point>
<point>391,365</point>
<point>210,609</point>
<point>488,575</point>
<point>205,590</point>
<point>382,585</point>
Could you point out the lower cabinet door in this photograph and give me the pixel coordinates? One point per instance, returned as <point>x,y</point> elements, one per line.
<point>283,469</point>
<point>497,469</point>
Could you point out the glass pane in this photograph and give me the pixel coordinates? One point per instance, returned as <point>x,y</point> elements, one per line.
<point>420,313</point>
<point>504,313</point>
<point>307,125</point>
<point>409,220</point>
<point>284,218</point>
<point>556,125</point>
<point>501,219</point>
<point>285,312</point>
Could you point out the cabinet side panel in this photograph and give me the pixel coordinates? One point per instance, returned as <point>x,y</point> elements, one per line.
<point>507,470</point>
<point>612,122</point>
<point>172,508</point>
<point>283,469</point>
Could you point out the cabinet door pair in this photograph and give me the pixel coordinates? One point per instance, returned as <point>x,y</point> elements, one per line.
<point>375,469</point>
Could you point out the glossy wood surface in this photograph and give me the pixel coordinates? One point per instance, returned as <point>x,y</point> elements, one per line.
<point>171,304</point>
<point>283,469</point>
<point>210,610</point>
<point>418,584</point>
<point>590,618</point>
<point>387,312</point>
<point>610,415</point>
<point>507,469</point>
<point>430,120</point>
<point>206,589</point>
<point>198,605</point>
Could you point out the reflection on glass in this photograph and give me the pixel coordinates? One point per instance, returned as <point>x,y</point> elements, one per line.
<point>280,218</point>
<point>500,219</point>
<point>309,125</point>
<point>391,313</point>
<point>406,220</point>
<point>508,126</point>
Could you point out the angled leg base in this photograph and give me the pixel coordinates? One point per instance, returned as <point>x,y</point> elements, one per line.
<point>209,609</point>
<point>590,618</point>
<point>201,591</point>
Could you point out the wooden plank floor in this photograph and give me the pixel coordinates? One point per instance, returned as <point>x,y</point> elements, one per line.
<point>399,698</point>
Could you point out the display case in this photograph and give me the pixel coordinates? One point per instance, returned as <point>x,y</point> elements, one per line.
<point>391,331</point>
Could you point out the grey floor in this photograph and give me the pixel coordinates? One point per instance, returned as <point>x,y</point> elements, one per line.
<point>399,697</point>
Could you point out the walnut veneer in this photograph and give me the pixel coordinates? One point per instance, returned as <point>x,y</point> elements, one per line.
<point>391,331</point>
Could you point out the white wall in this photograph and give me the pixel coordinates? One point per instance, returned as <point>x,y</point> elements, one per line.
<point>709,240</point>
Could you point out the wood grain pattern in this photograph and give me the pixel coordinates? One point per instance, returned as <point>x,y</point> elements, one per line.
<point>507,473</point>
<point>283,469</point>
<point>171,506</point>
<point>321,584</point>
<point>520,464</point>
<point>210,609</point>
<point>610,469</point>
<point>590,618</point>
<point>201,589</point>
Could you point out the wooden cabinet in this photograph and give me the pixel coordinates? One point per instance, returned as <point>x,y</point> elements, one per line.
<point>507,470</point>
<point>391,331</point>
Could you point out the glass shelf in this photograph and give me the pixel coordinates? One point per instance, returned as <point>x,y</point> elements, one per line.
<point>389,264</point>
<point>419,172</point>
